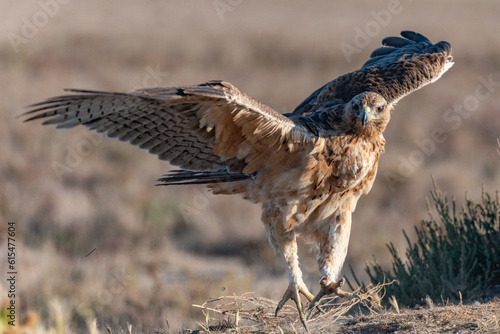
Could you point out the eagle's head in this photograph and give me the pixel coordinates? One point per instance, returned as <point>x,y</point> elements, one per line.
<point>369,113</point>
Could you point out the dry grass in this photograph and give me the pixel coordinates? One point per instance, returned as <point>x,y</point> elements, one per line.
<point>159,251</point>
<point>256,314</point>
<point>242,314</point>
<point>251,314</point>
<point>480,318</point>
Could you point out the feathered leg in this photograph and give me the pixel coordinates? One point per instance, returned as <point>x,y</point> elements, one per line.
<point>284,242</point>
<point>332,252</point>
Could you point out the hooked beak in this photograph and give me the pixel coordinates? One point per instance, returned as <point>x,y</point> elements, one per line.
<point>365,115</point>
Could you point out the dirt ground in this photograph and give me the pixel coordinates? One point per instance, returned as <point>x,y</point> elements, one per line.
<point>481,318</point>
<point>477,317</point>
<point>157,251</point>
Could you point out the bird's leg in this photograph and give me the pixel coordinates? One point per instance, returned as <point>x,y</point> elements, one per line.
<point>283,241</point>
<point>328,288</point>
<point>332,252</point>
<point>296,285</point>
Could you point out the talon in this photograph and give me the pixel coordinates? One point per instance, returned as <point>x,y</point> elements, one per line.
<point>320,309</point>
<point>293,293</point>
<point>348,295</point>
<point>314,303</point>
<point>328,288</point>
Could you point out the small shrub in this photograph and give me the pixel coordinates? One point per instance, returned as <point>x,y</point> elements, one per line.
<point>455,256</point>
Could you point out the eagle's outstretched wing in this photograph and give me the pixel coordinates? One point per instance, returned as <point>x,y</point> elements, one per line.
<point>217,128</point>
<point>402,66</point>
<point>208,127</point>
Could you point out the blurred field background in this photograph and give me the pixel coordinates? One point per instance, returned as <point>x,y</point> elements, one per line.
<point>160,250</point>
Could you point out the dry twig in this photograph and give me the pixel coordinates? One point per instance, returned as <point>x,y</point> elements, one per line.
<point>256,314</point>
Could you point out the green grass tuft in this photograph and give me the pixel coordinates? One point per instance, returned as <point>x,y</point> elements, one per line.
<point>455,256</point>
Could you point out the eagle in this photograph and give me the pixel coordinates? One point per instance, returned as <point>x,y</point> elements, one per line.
<point>307,168</point>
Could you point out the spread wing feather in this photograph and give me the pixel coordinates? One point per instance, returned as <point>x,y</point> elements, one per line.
<point>214,127</point>
<point>206,127</point>
<point>402,66</point>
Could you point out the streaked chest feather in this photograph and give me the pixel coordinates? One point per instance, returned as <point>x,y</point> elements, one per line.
<point>338,175</point>
<point>315,182</point>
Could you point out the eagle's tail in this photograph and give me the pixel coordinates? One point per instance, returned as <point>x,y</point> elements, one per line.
<point>181,176</point>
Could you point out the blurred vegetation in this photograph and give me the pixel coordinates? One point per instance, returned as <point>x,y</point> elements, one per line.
<point>160,250</point>
<point>455,256</point>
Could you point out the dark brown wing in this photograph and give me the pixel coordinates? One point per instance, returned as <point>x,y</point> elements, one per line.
<point>206,127</point>
<point>394,71</point>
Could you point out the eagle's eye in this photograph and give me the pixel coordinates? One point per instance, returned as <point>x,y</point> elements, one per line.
<point>380,108</point>
<point>355,106</point>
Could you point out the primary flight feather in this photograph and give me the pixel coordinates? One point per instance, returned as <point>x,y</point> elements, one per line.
<point>307,168</point>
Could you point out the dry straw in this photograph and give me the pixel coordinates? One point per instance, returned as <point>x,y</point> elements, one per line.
<point>247,313</point>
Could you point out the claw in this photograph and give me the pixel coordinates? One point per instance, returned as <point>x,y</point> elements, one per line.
<point>293,293</point>
<point>328,288</point>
